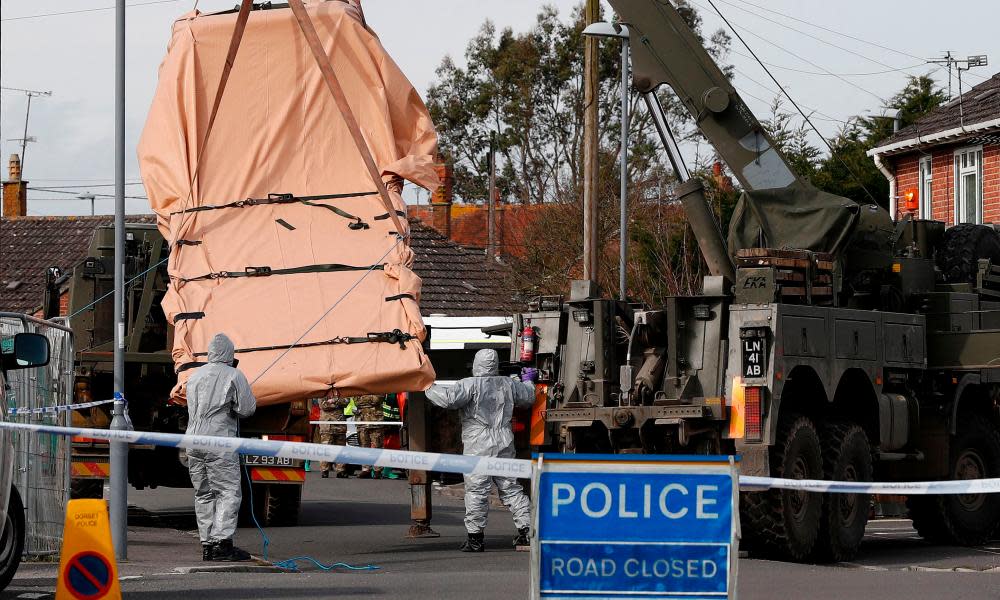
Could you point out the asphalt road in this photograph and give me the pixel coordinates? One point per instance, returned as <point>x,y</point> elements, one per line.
<point>363,522</point>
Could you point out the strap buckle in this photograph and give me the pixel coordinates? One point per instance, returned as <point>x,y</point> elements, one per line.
<point>395,336</point>
<point>257,271</point>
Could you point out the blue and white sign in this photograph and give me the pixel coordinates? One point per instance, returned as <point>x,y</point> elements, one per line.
<point>635,526</point>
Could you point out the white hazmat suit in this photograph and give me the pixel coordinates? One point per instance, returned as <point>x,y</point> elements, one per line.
<point>487,402</point>
<point>217,395</point>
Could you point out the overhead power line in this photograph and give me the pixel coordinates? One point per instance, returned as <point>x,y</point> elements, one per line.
<point>792,100</point>
<point>833,31</point>
<point>85,10</point>
<point>807,72</point>
<point>88,186</point>
<point>787,51</point>
<point>809,35</point>
<point>74,193</point>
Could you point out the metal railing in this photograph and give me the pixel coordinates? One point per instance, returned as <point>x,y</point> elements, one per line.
<point>42,463</point>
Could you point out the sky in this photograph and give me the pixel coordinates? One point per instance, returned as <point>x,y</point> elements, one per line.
<point>814,48</point>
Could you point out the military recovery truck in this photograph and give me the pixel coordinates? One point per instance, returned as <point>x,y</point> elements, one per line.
<point>149,377</point>
<point>829,342</point>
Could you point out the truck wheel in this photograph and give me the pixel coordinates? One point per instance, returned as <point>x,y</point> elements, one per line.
<point>785,523</point>
<point>847,457</point>
<point>282,502</point>
<point>971,519</point>
<point>962,247</point>
<point>12,542</point>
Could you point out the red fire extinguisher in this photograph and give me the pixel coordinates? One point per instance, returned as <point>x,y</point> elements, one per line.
<point>528,343</point>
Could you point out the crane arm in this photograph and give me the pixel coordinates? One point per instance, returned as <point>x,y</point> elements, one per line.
<point>665,50</point>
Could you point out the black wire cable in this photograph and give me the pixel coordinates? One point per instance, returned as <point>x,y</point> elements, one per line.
<point>85,10</point>
<point>792,100</point>
<point>840,33</point>
<point>787,51</point>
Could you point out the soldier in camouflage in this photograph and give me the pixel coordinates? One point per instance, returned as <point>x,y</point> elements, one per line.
<point>332,409</point>
<point>369,436</point>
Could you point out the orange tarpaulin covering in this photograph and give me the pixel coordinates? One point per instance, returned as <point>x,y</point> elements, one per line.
<point>279,131</point>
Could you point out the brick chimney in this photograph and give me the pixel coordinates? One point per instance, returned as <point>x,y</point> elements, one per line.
<point>15,191</point>
<point>441,199</point>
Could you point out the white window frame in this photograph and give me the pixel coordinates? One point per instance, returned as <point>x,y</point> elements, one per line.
<point>970,167</point>
<point>925,187</point>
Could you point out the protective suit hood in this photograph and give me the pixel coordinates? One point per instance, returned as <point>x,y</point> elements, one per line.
<point>221,349</point>
<point>486,363</point>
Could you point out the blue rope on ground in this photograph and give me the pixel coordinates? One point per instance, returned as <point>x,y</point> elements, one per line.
<point>291,564</point>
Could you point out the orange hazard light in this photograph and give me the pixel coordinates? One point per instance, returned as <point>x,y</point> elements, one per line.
<point>910,201</point>
<point>753,402</point>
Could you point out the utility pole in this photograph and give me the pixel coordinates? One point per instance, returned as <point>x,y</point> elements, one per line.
<point>88,196</point>
<point>591,14</point>
<point>119,421</point>
<point>491,246</point>
<point>27,112</point>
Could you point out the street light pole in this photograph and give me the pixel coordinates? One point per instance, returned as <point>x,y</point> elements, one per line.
<point>119,450</point>
<point>623,224</point>
<point>617,30</point>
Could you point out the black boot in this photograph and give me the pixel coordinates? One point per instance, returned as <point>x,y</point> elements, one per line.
<point>474,543</point>
<point>207,550</point>
<point>225,551</point>
<point>325,474</point>
<point>523,537</point>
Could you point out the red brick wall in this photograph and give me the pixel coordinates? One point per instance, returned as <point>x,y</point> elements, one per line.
<point>943,185</point>
<point>991,183</point>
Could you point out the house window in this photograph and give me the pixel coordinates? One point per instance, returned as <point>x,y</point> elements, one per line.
<point>969,185</point>
<point>924,192</point>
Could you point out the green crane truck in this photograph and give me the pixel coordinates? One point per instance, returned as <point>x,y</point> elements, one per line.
<point>829,341</point>
<point>149,377</point>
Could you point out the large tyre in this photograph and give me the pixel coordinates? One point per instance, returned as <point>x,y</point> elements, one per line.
<point>282,502</point>
<point>961,249</point>
<point>971,519</point>
<point>785,524</point>
<point>847,457</point>
<point>12,542</point>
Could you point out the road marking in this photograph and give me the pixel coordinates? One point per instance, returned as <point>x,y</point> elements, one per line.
<point>34,595</point>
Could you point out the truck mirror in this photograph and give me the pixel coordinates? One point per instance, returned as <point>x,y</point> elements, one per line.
<point>27,350</point>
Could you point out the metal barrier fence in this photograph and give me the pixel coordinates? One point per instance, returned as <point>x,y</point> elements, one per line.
<point>42,463</point>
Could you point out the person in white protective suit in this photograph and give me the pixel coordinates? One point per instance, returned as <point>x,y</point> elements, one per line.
<point>217,395</point>
<point>487,401</point>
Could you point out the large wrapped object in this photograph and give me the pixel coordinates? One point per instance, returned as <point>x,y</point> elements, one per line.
<point>264,273</point>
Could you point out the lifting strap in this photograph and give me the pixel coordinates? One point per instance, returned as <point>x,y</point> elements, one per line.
<point>291,199</point>
<point>267,271</point>
<point>234,46</point>
<point>326,69</point>
<point>396,336</point>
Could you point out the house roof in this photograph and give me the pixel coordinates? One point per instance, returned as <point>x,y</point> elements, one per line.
<point>978,107</point>
<point>456,280</point>
<point>470,225</point>
<point>30,245</point>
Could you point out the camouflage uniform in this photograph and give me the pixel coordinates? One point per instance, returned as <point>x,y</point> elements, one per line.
<point>369,436</point>
<point>332,409</point>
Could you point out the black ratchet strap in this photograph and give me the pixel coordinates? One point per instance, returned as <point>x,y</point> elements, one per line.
<point>396,336</point>
<point>292,199</point>
<point>268,271</point>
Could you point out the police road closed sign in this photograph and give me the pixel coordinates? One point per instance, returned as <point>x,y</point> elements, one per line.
<point>629,526</point>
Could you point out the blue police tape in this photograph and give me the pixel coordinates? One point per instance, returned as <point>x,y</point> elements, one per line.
<point>398,459</point>
<point>479,465</point>
<point>51,410</point>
